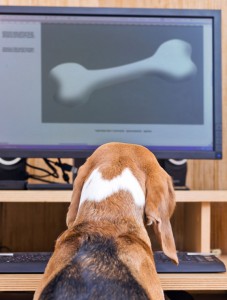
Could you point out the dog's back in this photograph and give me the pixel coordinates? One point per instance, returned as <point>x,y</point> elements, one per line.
<point>95,273</point>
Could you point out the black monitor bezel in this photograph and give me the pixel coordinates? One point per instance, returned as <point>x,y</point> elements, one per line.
<point>216,153</point>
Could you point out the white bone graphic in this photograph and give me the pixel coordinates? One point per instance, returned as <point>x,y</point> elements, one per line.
<point>76,83</point>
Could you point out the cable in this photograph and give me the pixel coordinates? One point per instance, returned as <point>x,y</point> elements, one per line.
<point>55,173</point>
<point>64,168</point>
<point>51,164</point>
<point>40,169</point>
<point>65,176</point>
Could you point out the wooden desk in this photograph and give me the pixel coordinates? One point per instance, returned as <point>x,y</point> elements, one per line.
<point>174,282</point>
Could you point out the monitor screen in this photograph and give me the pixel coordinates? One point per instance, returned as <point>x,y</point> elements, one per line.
<point>72,79</point>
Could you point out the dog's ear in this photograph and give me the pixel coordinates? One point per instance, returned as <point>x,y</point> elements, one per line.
<point>160,204</point>
<point>77,189</point>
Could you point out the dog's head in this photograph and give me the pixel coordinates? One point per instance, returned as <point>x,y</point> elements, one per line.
<point>156,183</point>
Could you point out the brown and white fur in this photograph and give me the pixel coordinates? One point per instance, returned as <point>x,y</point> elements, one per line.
<point>106,253</point>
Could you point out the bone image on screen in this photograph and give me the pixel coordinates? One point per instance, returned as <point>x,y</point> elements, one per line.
<point>75,83</point>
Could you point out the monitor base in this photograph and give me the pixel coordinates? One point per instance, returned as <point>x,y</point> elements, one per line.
<point>49,186</point>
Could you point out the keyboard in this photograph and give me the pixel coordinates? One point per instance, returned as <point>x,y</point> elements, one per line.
<point>24,262</point>
<point>189,263</point>
<point>35,263</point>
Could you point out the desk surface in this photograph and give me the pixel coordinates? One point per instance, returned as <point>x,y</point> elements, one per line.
<point>53,196</point>
<point>187,282</point>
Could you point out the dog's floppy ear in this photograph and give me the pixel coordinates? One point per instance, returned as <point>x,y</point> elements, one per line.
<point>77,189</point>
<point>160,204</point>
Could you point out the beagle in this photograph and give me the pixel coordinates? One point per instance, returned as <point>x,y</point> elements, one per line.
<point>106,253</point>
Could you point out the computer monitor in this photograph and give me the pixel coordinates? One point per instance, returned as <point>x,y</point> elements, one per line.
<point>72,79</point>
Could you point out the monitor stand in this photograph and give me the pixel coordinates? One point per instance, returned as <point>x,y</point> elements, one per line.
<point>49,186</point>
<point>13,184</point>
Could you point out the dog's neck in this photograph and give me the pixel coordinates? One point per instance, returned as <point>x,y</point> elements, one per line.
<point>120,206</point>
<point>118,213</point>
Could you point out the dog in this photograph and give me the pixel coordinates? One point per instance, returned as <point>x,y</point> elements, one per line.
<point>105,253</point>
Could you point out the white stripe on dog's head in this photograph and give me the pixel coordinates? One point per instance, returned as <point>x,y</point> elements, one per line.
<point>96,188</point>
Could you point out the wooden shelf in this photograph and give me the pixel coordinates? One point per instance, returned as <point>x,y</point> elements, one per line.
<point>65,196</point>
<point>193,282</point>
<point>35,196</point>
<point>201,196</point>
<point>197,229</point>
